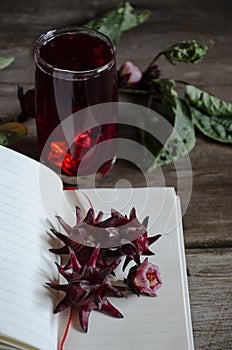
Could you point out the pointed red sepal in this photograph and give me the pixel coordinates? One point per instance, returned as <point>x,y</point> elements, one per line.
<point>59,251</point>
<point>148,252</point>
<point>63,304</point>
<point>114,291</point>
<point>104,273</point>
<point>61,270</point>
<point>110,310</point>
<point>110,222</point>
<point>145,222</point>
<point>75,263</point>
<point>132,214</point>
<point>99,217</point>
<point>89,219</point>
<point>84,318</point>
<point>65,239</point>
<point>62,287</point>
<point>153,239</point>
<point>78,215</point>
<point>93,257</point>
<point>65,226</point>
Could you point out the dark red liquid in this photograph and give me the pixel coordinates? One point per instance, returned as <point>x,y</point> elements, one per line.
<point>57,97</point>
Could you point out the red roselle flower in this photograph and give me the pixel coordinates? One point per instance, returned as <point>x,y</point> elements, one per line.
<point>144,279</point>
<point>129,74</point>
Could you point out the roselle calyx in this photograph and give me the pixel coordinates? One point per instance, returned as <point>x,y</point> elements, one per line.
<point>88,288</point>
<point>117,236</point>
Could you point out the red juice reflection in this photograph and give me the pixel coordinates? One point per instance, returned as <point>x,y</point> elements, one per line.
<point>75,68</point>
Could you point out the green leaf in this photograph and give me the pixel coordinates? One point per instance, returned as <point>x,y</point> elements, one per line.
<point>207,103</point>
<point>180,139</point>
<point>6,61</point>
<point>11,133</point>
<point>212,116</point>
<point>118,20</point>
<point>217,128</point>
<point>186,51</point>
<point>168,96</point>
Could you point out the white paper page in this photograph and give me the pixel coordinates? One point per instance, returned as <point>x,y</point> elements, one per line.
<point>26,305</point>
<point>149,323</point>
<point>184,277</point>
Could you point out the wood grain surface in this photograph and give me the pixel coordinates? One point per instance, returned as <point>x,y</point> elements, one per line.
<point>208,219</point>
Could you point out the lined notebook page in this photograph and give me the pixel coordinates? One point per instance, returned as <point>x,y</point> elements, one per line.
<point>26,305</point>
<point>161,323</point>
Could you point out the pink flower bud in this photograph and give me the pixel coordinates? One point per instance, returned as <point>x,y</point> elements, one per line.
<point>129,73</point>
<point>144,279</point>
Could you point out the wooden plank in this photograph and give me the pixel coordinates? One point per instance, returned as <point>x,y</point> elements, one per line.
<point>210,284</point>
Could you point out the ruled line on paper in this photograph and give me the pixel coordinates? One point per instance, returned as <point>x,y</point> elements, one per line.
<point>46,340</point>
<point>24,176</point>
<point>21,209</point>
<point>28,239</point>
<point>26,181</point>
<point>28,194</point>
<point>21,219</point>
<point>18,265</point>
<point>33,202</point>
<point>16,156</point>
<point>21,246</point>
<point>37,321</point>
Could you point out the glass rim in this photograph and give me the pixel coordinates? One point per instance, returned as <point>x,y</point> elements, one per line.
<point>51,69</point>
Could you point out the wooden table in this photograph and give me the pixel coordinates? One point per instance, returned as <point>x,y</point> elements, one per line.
<point>208,220</point>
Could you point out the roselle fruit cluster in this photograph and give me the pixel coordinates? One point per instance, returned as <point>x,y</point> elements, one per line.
<point>94,248</point>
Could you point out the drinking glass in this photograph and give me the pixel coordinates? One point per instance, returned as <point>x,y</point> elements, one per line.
<point>75,69</point>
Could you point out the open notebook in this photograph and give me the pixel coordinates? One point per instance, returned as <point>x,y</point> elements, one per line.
<point>30,194</point>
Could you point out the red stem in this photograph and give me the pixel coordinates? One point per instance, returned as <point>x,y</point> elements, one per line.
<point>66,331</point>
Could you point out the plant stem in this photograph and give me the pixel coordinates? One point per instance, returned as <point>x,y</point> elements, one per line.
<point>154,60</point>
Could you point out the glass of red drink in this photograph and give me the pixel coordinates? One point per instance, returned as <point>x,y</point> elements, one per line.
<point>75,69</point>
